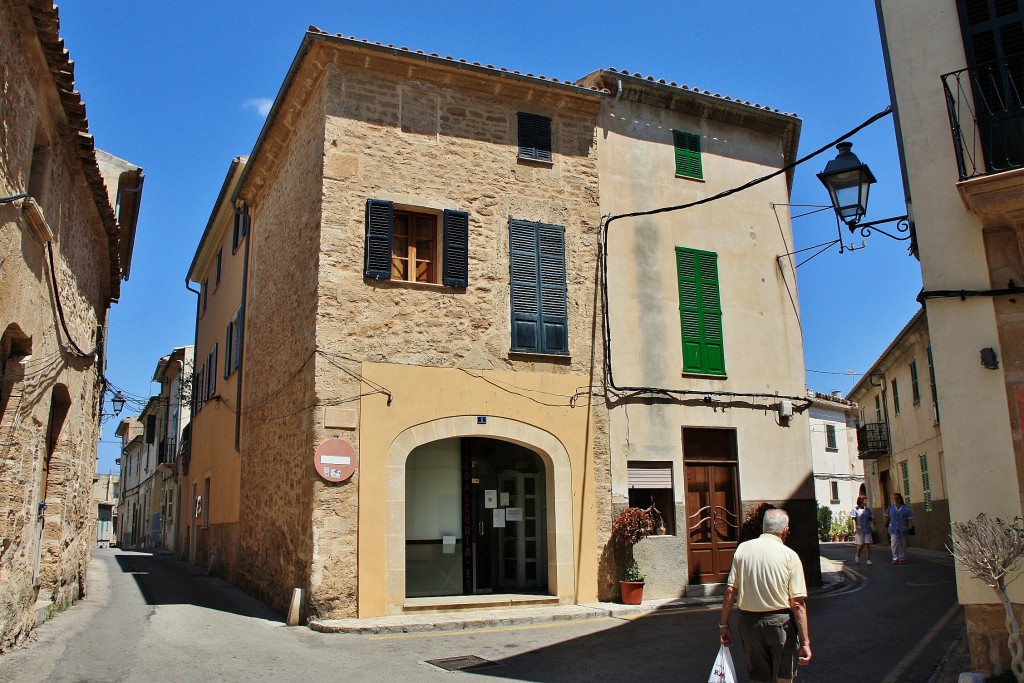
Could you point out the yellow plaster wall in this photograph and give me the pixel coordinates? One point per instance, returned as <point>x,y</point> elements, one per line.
<point>422,396</point>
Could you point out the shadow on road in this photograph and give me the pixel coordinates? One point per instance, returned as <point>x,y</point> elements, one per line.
<point>165,580</point>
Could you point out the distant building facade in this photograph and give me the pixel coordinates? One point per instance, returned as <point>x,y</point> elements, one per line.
<point>838,470</point>
<point>67,221</point>
<point>105,492</point>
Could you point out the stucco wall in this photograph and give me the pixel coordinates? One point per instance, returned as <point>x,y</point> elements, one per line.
<point>31,117</point>
<point>760,316</point>
<point>924,41</point>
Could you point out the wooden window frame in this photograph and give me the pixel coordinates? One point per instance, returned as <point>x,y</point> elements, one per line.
<point>413,256</point>
<point>831,443</point>
<point>833,492</point>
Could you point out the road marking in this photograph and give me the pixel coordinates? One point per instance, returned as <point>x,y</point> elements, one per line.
<point>897,672</point>
<point>861,584</point>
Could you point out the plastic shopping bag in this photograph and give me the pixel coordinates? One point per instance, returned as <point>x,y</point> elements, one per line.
<point>723,671</point>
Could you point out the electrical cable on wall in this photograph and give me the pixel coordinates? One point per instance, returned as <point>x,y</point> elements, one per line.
<point>605,229</point>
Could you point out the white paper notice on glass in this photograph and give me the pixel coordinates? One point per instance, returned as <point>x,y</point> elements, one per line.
<point>514,514</point>
<point>504,499</point>
<point>447,545</point>
<point>490,498</point>
<point>499,518</point>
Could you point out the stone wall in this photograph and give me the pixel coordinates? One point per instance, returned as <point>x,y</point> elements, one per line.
<point>986,635</point>
<point>37,154</point>
<point>426,137</point>
<point>275,535</point>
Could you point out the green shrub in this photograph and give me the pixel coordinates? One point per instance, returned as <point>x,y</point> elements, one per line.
<point>824,522</point>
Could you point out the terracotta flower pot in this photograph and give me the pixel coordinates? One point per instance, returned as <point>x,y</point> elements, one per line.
<point>632,592</point>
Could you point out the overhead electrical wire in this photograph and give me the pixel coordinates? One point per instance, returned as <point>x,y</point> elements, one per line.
<point>606,227</point>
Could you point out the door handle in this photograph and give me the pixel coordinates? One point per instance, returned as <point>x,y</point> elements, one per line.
<point>481,528</point>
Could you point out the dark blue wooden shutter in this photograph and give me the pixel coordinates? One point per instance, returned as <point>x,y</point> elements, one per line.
<point>525,292</point>
<point>238,339</point>
<point>534,137</point>
<point>229,347</point>
<point>554,309</point>
<point>537,266</point>
<point>456,249</point>
<point>379,219</point>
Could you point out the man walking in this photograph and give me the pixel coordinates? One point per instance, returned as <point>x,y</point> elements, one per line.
<point>767,584</point>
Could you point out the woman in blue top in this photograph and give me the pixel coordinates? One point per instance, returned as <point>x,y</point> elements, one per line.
<point>862,517</point>
<point>899,520</point>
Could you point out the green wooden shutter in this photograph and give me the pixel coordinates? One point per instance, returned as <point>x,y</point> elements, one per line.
<point>905,471</point>
<point>915,388</point>
<point>379,219</point>
<point>687,150</point>
<point>926,482</point>
<point>700,311</point>
<point>895,397</point>
<point>456,249</point>
<point>931,378</point>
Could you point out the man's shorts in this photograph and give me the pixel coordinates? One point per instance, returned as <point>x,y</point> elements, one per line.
<point>864,539</point>
<point>769,644</point>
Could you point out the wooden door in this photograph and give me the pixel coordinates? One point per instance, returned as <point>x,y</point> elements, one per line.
<point>713,520</point>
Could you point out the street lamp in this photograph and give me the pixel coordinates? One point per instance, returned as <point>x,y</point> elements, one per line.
<point>848,182</point>
<point>117,402</point>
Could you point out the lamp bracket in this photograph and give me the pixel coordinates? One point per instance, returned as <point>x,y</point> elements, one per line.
<point>902,226</point>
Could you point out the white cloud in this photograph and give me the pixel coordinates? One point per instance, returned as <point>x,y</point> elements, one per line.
<point>259,104</point>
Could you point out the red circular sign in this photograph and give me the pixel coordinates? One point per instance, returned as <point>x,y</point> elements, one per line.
<point>335,460</point>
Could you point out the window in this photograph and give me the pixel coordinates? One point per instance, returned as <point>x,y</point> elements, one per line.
<point>200,387</point>
<point>151,429</point>
<point>540,316</point>
<point>931,378</point>
<point>878,407</point>
<point>700,312</point>
<point>212,368</point>
<point>687,148</point>
<point>403,245</point>
<point>914,387</point>
<point>241,226</point>
<point>220,265</point>
<point>830,438</point>
<point>926,482</point>
<point>905,471</point>
<point>229,346</point>
<point>206,294</point>
<point>534,137</point>
<point>895,397</point>
<point>650,484</point>
<point>206,502</point>
<point>236,354</point>
<point>834,489</point>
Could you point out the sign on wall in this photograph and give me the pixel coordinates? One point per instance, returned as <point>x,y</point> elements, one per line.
<point>335,460</point>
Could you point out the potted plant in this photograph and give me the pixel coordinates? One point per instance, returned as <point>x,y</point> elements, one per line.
<point>630,526</point>
<point>849,529</point>
<point>824,522</point>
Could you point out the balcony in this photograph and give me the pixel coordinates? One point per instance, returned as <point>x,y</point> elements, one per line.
<point>873,440</point>
<point>986,112</point>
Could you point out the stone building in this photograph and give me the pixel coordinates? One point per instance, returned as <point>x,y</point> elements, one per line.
<point>67,220</point>
<point>955,76</point>
<point>400,389</point>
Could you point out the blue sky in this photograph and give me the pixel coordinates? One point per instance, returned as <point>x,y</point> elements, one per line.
<point>177,88</point>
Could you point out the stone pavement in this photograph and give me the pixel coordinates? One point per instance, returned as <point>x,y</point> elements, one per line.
<point>832,576</point>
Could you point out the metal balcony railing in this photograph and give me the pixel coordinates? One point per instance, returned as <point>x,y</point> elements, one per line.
<point>986,112</point>
<point>873,440</point>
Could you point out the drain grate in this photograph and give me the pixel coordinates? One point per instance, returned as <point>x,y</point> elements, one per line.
<point>463,663</point>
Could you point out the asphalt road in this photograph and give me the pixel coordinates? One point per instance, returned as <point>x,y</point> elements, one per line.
<point>153,618</point>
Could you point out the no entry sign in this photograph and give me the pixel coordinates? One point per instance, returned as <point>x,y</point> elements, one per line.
<point>335,460</point>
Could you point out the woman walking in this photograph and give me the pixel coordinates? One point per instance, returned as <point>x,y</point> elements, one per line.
<point>899,521</point>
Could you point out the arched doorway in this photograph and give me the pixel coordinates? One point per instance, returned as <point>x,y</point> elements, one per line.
<point>475,518</point>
